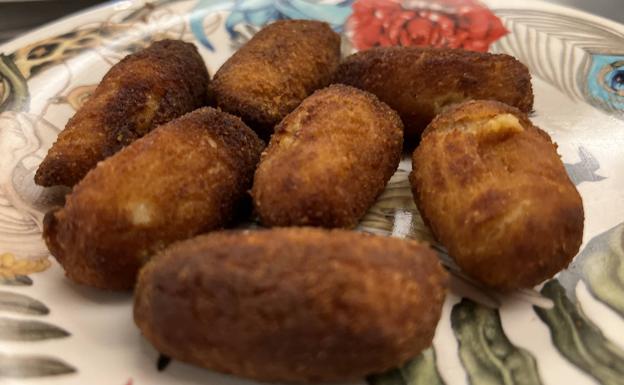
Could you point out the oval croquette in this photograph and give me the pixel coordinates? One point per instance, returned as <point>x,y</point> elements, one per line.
<point>495,192</point>
<point>274,71</point>
<point>144,90</point>
<point>419,82</point>
<point>295,305</point>
<point>328,160</point>
<point>181,179</point>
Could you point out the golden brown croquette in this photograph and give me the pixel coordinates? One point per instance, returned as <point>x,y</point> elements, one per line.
<point>328,160</point>
<point>181,179</point>
<point>494,191</point>
<point>144,90</point>
<point>419,82</point>
<point>274,71</point>
<point>292,304</point>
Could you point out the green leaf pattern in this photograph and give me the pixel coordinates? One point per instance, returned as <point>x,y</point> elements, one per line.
<point>485,351</point>
<point>579,340</point>
<point>601,266</point>
<point>421,370</point>
<point>13,366</point>
<point>12,329</point>
<point>26,366</point>
<point>20,303</point>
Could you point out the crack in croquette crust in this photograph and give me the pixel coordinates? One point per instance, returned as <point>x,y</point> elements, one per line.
<point>497,197</point>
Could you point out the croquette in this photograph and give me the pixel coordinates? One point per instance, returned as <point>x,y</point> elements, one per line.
<point>419,82</point>
<point>328,160</point>
<point>291,304</point>
<point>274,71</point>
<point>144,90</point>
<point>495,193</point>
<point>183,178</point>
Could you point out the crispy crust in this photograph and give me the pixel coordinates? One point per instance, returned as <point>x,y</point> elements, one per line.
<point>497,195</point>
<point>183,178</point>
<point>144,90</point>
<point>419,82</point>
<point>270,75</point>
<point>328,160</point>
<point>296,305</point>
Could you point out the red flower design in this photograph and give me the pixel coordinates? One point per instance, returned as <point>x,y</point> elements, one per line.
<point>466,24</point>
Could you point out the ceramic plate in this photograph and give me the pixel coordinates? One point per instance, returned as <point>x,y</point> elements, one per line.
<point>570,330</point>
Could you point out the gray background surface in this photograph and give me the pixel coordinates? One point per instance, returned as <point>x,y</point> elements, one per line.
<point>17,17</point>
<point>611,9</point>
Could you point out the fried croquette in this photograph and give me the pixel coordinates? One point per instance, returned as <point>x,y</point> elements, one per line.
<point>183,178</point>
<point>495,193</point>
<point>291,304</point>
<point>279,67</point>
<point>419,82</point>
<point>328,160</point>
<point>145,89</point>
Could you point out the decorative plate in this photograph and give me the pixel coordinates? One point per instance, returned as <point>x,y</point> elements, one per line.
<point>570,330</point>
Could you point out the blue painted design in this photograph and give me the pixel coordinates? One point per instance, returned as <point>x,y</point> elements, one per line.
<point>260,12</point>
<point>253,12</point>
<point>333,14</point>
<point>606,79</point>
<point>199,13</point>
<point>585,170</point>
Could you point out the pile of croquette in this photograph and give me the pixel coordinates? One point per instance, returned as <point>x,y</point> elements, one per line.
<point>164,163</point>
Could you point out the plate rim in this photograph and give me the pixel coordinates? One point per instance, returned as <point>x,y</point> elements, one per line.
<point>29,36</point>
